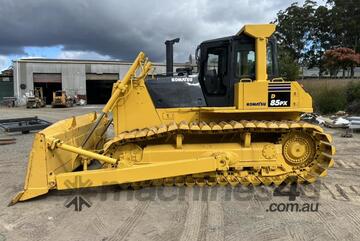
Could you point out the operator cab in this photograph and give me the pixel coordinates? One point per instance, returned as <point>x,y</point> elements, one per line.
<point>221,64</point>
<point>226,61</point>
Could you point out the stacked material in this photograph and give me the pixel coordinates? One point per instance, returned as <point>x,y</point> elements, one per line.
<point>354,122</point>
<point>7,141</point>
<point>335,121</point>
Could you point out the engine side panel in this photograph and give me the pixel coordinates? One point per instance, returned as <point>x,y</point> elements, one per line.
<point>148,104</point>
<point>272,96</point>
<point>173,92</point>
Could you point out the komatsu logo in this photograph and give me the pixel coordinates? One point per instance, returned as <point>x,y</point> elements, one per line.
<point>181,79</point>
<point>256,104</point>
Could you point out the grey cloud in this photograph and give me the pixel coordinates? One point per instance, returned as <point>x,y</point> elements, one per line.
<point>6,50</point>
<point>122,28</point>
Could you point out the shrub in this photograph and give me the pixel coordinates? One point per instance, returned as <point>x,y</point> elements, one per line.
<point>328,101</point>
<point>353,97</point>
<point>354,107</point>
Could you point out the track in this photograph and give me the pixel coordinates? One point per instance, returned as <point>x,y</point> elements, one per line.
<point>165,219</point>
<point>315,161</point>
<point>125,229</point>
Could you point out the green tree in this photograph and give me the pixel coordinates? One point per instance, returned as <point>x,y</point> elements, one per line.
<point>288,67</point>
<point>306,32</point>
<point>319,38</point>
<point>294,27</point>
<point>345,20</point>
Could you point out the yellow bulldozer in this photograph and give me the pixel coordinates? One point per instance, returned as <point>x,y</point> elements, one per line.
<point>235,122</point>
<point>61,99</point>
<point>36,98</point>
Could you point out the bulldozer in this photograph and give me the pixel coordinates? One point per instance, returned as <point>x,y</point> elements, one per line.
<point>61,99</point>
<point>235,122</point>
<point>36,98</point>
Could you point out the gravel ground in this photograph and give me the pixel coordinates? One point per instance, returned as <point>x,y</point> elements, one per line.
<point>179,213</point>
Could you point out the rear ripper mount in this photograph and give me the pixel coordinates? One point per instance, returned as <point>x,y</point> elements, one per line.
<point>237,142</point>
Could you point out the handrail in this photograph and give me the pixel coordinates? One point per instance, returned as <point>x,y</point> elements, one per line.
<point>246,80</point>
<point>278,79</point>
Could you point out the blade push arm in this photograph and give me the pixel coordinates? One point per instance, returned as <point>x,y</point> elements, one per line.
<point>121,87</point>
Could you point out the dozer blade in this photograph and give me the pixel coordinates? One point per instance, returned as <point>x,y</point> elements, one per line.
<point>45,163</point>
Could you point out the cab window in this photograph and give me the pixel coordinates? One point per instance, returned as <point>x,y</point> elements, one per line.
<point>215,71</point>
<point>245,63</point>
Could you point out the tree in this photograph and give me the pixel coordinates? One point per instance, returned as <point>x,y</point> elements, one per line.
<point>341,58</point>
<point>306,32</point>
<point>288,67</point>
<point>345,24</point>
<point>345,19</point>
<point>319,39</point>
<point>293,28</point>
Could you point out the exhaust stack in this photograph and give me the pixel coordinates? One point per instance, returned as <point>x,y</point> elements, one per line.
<point>170,56</point>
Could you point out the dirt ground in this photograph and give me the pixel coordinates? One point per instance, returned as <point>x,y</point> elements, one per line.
<point>156,214</point>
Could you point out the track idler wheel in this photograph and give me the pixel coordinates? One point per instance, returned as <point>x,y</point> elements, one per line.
<point>298,148</point>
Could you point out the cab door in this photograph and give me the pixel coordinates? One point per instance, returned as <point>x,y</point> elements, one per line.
<point>214,73</point>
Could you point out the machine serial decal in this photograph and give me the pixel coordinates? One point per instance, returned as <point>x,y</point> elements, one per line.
<point>279,94</point>
<point>279,99</point>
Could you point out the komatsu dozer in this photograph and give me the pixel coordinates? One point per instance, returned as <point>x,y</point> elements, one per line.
<point>235,122</point>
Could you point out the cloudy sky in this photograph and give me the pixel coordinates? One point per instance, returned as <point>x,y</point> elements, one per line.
<point>113,29</point>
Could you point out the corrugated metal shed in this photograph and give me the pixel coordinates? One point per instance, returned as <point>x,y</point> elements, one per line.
<point>75,75</point>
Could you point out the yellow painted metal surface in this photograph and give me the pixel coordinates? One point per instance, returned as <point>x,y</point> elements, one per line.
<point>82,152</point>
<point>257,93</point>
<point>183,146</point>
<point>140,173</point>
<point>261,32</point>
<point>44,163</point>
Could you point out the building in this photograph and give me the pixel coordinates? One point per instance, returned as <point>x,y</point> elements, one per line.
<point>314,73</point>
<point>6,84</point>
<point>89,79</point>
